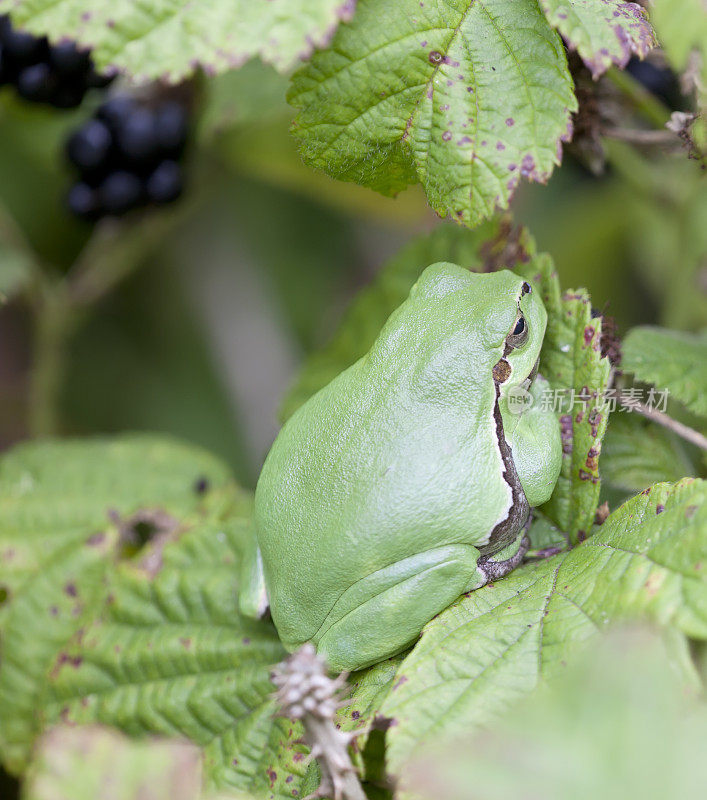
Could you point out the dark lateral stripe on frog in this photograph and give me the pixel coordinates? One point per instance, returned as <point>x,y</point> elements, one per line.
<point>506,530</point>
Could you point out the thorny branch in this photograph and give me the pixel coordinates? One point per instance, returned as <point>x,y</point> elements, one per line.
<point>307,693</point>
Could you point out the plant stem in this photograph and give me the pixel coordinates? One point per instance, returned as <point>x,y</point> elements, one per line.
<point>656,138</point>
<point>60,304</point>
<point>53,324</point>
<point>659,417</point>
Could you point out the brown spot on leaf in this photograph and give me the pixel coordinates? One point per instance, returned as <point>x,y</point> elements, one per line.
<point>201,485</point>
<point>587,476</point>
<point>435,57</point>
<point>566,433</point>
<point>96,540</point>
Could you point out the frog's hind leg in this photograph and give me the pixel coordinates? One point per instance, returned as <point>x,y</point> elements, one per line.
<point>494,569</point>
<point>384,612</point>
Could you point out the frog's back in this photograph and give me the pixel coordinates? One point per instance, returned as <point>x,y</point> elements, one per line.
<point>363,475</point>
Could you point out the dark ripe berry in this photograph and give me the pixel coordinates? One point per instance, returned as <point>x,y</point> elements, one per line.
<point>120,192</point>
<point>82,201</point>
<point>137,136</point>
<point>67,59</point>
<point>88,147</point>
<point>659,80</point>
<point>5,72</point>
<point>94,80</point>
<point>23,48</point>
<point>68,94</point>
<point>165,184</point>
<point>36,82</point>
<point>171,126</point>
<point>116,110</point>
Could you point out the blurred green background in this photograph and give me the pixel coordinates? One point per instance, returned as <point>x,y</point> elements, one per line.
<point>229,291</point>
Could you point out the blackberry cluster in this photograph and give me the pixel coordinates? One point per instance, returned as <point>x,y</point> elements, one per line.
<point>58,75</point>
<point>127,156</point>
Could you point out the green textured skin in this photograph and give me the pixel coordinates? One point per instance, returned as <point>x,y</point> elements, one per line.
<point>534,438</point>
<point>381,491</point>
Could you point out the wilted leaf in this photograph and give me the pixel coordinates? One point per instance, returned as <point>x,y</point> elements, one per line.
<point>61,506</point>
<point>670,360</point>
<point>604,32</point>
<point>494,645</point>
<point>465,98</point>
<point>171,38</point>
<point>617,725</point>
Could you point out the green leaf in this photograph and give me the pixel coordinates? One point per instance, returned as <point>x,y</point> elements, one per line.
<point>63,509</point>
<point>465,97</point>
<point>617,725</point>
<point>255,93</point>
<point>496,644</point>
<point>369,688</point>
<point>171,655</point>
<point>92,762</point>
<point>488,247</point>
<point>170,39</point>
<point>670,360</point>
<point>636,453</point>
<point>571,361</point>
<point>604,32</point>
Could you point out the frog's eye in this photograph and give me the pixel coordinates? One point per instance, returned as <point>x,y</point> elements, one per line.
<point>519,334</point>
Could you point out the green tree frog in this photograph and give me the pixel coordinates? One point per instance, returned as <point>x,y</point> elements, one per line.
<point>408,480</point>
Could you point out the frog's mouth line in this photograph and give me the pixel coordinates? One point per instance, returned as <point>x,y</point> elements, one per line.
<point>528,382</point>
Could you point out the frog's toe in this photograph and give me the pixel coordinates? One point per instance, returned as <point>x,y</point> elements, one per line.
<point>383,613</point>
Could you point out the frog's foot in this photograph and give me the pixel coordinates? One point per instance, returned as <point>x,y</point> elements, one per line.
<point>494,569</point>
<point>384,612</point>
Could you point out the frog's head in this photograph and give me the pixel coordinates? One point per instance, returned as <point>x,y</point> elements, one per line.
<point>520,330</point>
<point>502,316</point>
